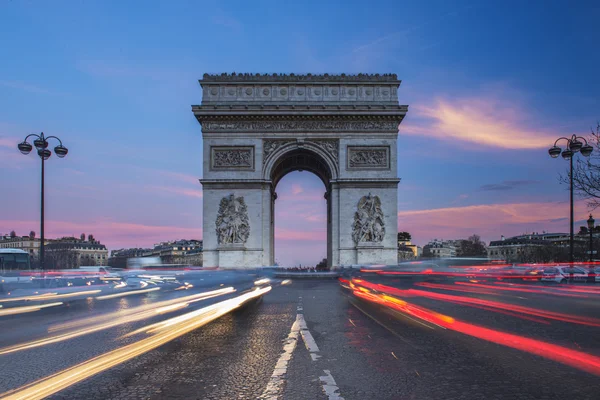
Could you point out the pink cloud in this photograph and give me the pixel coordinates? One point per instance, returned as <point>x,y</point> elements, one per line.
<point>489,220</point>
<point>484,120</point>
<point>176,190</point>
<point>112,234</point>
<point>181,177</point>
<point>296,189</point>
<point>297,235</point>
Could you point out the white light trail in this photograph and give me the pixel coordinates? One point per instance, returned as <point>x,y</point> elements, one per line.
<point>47,386</point>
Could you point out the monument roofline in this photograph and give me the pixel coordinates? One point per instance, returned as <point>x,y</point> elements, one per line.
<point>299,78</point>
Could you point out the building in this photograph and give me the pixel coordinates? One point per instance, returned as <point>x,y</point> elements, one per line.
<point>71,252</point>
<point>257,128</point>
<point>30,244</point>
<point>533,246</point>
<point>187,252</point>
<point>407,250</point>
<point>441,248</point>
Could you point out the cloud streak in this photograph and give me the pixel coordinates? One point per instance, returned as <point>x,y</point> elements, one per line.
<point>478,120</point>
<point>507,185</point>
<point>113,234</point>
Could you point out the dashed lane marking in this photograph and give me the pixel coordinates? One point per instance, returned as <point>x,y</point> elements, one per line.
<point>330,387</point>
<point>275,386</point>
<point>309,341</point>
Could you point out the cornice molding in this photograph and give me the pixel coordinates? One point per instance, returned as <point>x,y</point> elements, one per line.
<point>304,78</point>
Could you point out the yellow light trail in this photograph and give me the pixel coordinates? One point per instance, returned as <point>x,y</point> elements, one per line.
<point>54,383</point>
<point>129,293</point>
<point>95,324</point>
<point>50,296</point>
<point>26,309</point>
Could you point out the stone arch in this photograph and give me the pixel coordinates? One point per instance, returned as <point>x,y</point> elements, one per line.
<point>303,156</point>
<point>289,149</point>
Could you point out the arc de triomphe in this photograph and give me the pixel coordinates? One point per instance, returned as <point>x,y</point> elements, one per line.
<point>257,128</point>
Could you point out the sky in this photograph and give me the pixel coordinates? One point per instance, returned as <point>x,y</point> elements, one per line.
<point>490,86</point>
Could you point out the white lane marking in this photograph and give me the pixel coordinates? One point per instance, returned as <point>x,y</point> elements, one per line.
<point>275,385</point>
<point>309,341</point>
<point>330,387</point>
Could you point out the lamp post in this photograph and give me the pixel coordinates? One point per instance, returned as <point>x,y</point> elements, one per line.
<point>574,144</point>
<point>41,144</point>
<point>590,224</point>
<point>591,274</point>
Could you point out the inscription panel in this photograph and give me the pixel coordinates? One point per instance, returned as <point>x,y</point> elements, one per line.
<point>232,158</point>
<point>368,157</point>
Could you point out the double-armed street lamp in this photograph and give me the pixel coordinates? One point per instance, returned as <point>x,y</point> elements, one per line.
<point>574,145</point>
<point>41,144</point>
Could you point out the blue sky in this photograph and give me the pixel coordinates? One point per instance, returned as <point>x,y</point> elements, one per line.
<point>490,86</point>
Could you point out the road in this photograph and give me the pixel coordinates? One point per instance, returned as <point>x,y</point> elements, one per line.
<point>383,338</point>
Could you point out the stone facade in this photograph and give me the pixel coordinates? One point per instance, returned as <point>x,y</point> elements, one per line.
<point>257,128</point>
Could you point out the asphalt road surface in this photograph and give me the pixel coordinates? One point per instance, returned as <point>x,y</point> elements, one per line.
<point>379,338</point>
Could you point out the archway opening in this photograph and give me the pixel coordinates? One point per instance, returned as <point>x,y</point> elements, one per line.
<point>300,210</point>
<point>300,220</point>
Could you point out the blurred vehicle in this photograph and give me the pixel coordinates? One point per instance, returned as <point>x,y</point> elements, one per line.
<point>533,274</point>
<point>14,260</point>
<point>142,262</point>
<point>106,272</point>
<point>563,274</point>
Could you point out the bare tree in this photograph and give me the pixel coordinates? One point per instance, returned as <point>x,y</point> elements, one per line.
<point>586,173</point>
<point>472,247</point>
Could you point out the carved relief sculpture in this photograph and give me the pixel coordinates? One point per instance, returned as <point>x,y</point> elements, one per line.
<point>368,157</point>
<point>269,146</point>
<point>233,226</point>
<point>300,126</point>
<point>232,157</point>
<point>330,146</point>
<point>368,224</point>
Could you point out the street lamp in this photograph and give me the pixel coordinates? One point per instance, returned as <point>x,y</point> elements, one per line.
<point>574,144</point>
<point>41,144</point>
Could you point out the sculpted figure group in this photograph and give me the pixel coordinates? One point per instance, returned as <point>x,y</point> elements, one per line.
<point>233,226</point>
<point>368,220</point>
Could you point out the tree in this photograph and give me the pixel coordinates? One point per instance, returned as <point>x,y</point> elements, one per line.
<point>32,235</point>
<point>586,172</point>
<point>322,265</point>
<point>61,259</point>
<point>13,234</point>
<point>472,247</point>
<point>404,236</point>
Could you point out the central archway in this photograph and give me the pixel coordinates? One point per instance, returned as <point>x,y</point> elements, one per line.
<point>301,159</point>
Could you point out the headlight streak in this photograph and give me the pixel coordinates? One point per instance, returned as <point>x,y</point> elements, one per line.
<point>26,309</point>
<point>63,379</point>
<point>95,324</point>
<point>129,293</point>
<point>573,358</point>
<point>50,296</point>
